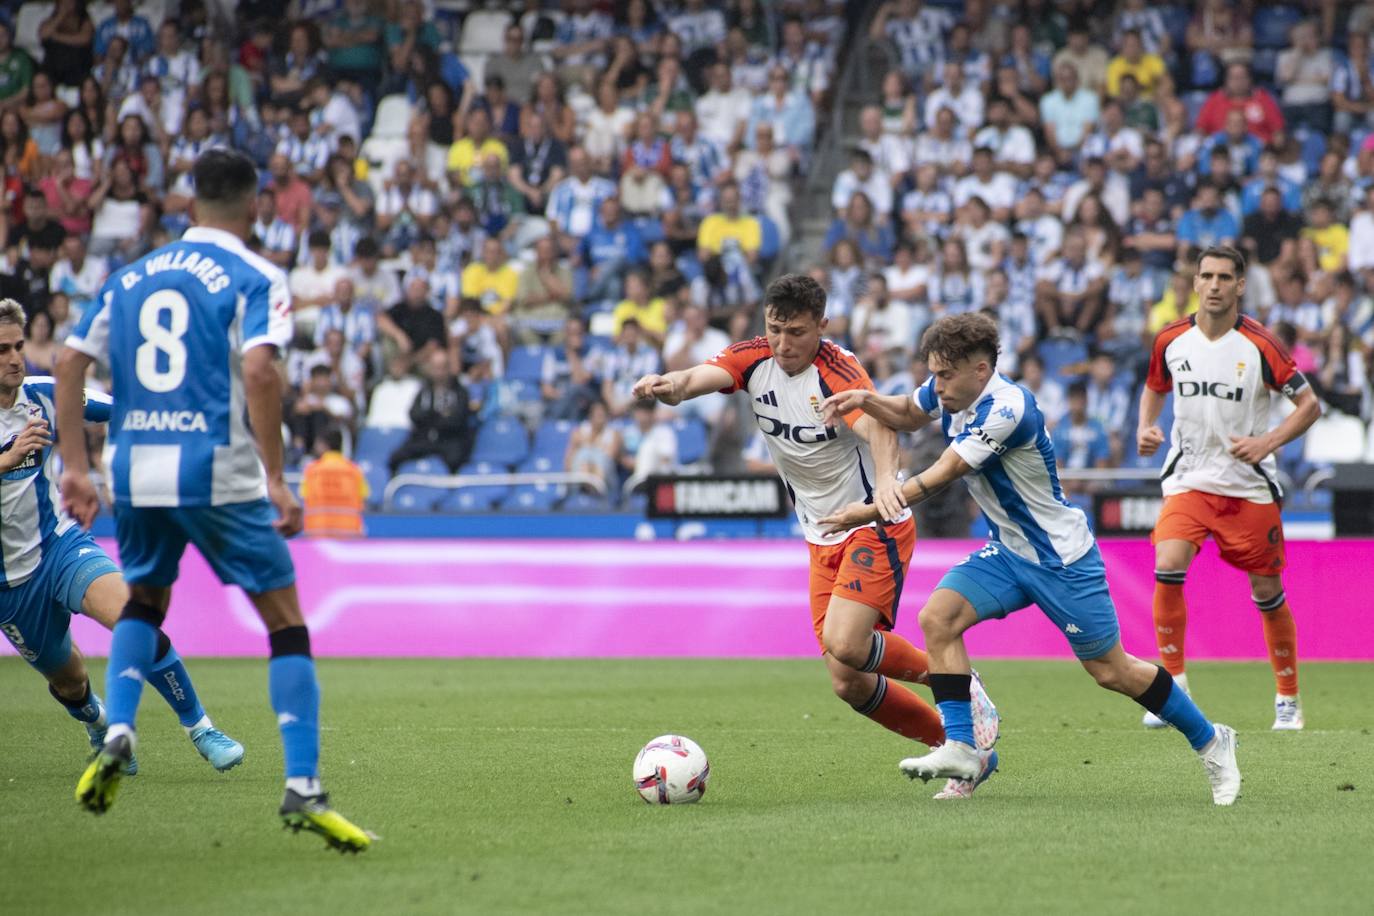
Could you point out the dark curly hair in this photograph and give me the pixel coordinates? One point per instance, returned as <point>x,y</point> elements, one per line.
<point>794,294</point>
<point>955,338</point>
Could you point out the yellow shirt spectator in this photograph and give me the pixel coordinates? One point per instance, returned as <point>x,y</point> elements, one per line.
<point>493,288</point>
<point>465,157</point>
<point>717,228</point>
<point>1148,72</point>
<point>652,316</point>
<point>1333,243</point>
<point>1166,310</point>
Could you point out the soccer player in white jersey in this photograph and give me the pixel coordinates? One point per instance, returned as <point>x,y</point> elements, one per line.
<point>1041,552</point>
<point>1219,476</point>
<point>857,573</point>
<point>50,568</point>
<point>191,333</point>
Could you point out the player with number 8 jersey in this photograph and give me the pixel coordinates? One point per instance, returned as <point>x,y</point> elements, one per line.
<point>192,333</point>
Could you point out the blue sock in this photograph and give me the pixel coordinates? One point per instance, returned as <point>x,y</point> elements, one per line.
<point>952,699</point>
<point>87,710</point>
<point>296,700</point>
<point>1182,713</point>
<point>171,679</point>
<point>958,718</point>
<point>131,655</point>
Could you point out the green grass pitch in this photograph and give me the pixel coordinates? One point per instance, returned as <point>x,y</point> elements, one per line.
<point>504,787</point>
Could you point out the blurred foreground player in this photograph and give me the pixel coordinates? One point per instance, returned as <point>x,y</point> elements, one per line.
<point>1220,476</point>
<point>1041,550</point>
<point>191,333</point>
<point>51,569</point>
<point>856,574</point>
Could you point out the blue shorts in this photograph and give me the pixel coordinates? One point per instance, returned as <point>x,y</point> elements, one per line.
<point>36,616</point>
<point>1075,597</point>
<point>237,540</point>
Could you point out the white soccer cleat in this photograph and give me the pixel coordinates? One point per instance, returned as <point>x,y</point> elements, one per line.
<point>963,788</point>
<point>951,760</point>
<point>1287,713</point>
<point>1219,760</point>
<point>987,725</point>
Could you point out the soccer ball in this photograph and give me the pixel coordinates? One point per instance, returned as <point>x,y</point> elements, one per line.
<point>671,770</point>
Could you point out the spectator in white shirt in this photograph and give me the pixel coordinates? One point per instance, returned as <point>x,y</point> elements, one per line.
<point>891,154</point>
<point>723,111</point>
<point>958,95</point>
<point>997,189</point>
<point>1013,147</point>
<point>862,175</point>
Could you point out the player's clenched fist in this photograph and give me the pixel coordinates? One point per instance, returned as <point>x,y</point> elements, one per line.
<point>34,437</point>
<point>665,388</point>
<point>1148,440</point>
<point>837,405</point>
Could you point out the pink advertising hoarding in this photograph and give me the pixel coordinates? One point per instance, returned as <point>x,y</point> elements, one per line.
<point>457,598</point>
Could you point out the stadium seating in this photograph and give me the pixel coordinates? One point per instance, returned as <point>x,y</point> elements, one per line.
<point>491,494</point>
<point>501,441</point>
<point>692,439</point>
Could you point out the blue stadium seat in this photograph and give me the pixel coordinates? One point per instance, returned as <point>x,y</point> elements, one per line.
<point>525,391</point>
<point>417,498</point>
<point>1313,149</point>
<point>501,440</point>
<point>691,439</point>
<point>1272,24</point>
<point>551,440</point>
<point>375,444</point>
<point>1058,353</point>
<point>537,464</point>
<point>471,499</point>
<point>530,498</point>
<point>526,363</point>
<point>492,493</point>
<point>431,466</point>
<point>771,239</point>
<point>1176,19</point>
<point>584,502</point>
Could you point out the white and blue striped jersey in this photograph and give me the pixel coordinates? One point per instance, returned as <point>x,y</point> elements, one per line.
<point>1002,437</point>
<point>30,506</point>
<point>173,327</point>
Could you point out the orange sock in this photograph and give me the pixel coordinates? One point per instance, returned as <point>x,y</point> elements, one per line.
<point>1171,619</point>
<point>897,709</point>
<point>1281,636</point>
<point>896,657</point>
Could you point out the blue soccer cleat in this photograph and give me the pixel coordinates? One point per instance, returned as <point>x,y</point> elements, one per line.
<point>96,734</point>
<point>223,752</point>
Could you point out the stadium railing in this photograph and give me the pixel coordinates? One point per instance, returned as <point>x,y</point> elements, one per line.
<point>461,481</point>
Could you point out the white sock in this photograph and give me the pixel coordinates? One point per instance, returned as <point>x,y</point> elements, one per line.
<point>203,723</point>
<point>116,730</point>
<point>304,785</point>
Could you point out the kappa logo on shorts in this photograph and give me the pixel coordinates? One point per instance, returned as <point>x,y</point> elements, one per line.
<point>85,550</point>
<point>1072,629</point>
<point>863,556</point>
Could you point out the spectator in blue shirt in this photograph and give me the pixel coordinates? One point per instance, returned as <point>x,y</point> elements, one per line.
<point>1242,146</point>
<point>1079,440</point>
<point>1268,176</point>
<point>608,251</point>
<point>1208,223</point>
<point>130,26</point>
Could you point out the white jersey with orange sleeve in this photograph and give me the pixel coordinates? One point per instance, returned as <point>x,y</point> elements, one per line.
<point>824,467</point>
<point>1221,389</point>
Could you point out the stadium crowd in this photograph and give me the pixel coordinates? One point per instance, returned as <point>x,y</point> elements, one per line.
<point>495,219</point>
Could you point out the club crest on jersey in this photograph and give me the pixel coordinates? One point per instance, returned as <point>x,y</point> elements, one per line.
<point>816,407</point>
<point>1240,371</point>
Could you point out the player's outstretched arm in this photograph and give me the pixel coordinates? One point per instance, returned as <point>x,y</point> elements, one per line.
<point>683,385</point>
<point>920,487</point>
<point>262,387</point>
<point>887,488</point>
<point>1148,436</point>
<point>78,493</point>
<point>895,411</point>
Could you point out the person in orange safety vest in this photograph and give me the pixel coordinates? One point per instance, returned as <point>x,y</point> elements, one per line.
<point>334,491</point>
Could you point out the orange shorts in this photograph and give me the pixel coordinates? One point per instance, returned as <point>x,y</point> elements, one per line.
<point>1249,535</point>
<point>868,567</point>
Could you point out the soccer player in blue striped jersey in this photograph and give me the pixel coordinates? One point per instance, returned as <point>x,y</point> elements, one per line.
<point>50,568</point>
<point>1041,549</point>
<point>191,333</point>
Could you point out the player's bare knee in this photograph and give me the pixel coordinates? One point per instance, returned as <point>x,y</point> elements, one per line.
<point>847,651</point>
<point>1108,676</point>
<point>850,687</point>
<point>938,622</point>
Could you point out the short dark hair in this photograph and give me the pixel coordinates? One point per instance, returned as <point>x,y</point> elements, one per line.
<point>332,439</point>
<point>367,247</point>
<point>1228,253</point>
<point>1078,389</point>
<point>795,294</point>
<point>319,239</point>
<point>955,338</point>
<point>224,175</point>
